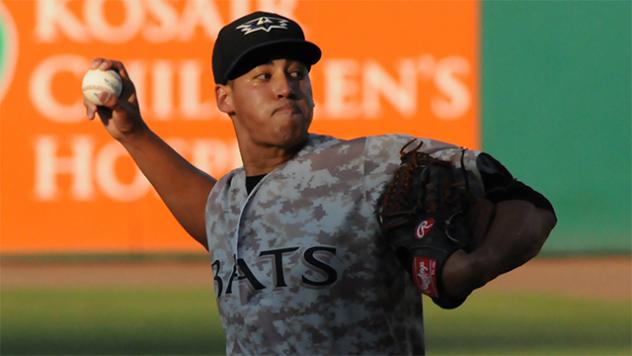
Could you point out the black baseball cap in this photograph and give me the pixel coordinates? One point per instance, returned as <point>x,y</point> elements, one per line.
<point>258,38</point>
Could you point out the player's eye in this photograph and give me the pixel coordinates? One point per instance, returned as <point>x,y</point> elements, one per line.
<point>297,74</point>
<point>263,76</point>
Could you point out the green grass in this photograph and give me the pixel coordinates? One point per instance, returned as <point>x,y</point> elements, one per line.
<point>103,320</point>
<point>530,324</point>
<point>144,320</point>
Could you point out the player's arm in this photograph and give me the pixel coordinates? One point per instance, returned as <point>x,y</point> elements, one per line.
<point>449,243</point>
<point>182,187</point>
<point>516,233</point>
<point>509,225</point>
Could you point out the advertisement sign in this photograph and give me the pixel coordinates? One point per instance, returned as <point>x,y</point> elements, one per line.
<point>66,186</point>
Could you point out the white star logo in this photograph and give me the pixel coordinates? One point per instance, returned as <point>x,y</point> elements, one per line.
<point>265,23</point>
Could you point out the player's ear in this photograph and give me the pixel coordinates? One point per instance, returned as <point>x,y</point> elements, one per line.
<point>224,98</point>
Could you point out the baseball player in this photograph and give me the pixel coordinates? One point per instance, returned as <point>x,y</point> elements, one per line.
<point>319,245</point>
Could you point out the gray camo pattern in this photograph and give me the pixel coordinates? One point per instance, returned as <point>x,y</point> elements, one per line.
<point>325,197</point>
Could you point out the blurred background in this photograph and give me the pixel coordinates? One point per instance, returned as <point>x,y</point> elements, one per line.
<point>91,262</point>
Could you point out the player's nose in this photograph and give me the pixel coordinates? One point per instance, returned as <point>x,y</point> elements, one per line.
<point>281,86</point>
<point>286,87</point>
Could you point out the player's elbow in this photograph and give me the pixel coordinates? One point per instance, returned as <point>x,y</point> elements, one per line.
<point>541,223</point>
<point>536,226</point>
<point>525,228</point>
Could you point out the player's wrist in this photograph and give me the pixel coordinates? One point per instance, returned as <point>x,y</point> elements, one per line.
<point>460,275</point>
<point>135,135</point>
<point>483,263</point>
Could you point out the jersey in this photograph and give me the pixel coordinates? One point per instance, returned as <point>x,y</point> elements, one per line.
<point>299,264</point>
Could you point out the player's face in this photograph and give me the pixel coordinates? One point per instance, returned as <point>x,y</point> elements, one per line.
<point>272,104</point>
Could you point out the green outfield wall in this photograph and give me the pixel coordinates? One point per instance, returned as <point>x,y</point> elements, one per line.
<point>556,108</point>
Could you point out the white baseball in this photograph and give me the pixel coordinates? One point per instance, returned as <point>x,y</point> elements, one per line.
<point>97,81</point>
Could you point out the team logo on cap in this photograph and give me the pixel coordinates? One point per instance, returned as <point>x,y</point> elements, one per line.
<point>263,23</point>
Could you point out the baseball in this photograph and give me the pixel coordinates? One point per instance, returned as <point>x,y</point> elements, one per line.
<point>96,81</point>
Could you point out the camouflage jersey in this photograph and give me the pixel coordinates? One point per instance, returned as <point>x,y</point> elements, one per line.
<point>299,265</point>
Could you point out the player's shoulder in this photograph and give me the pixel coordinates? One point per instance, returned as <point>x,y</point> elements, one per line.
<point>330,145</point>
<point>234,177</point>
<point>383,147</point>
<point>378,147</point>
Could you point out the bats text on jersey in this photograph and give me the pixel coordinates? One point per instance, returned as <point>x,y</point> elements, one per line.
<point>310,258</point>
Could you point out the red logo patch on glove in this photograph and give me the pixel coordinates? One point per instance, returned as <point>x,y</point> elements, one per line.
<point>425,274</point>
<point>424,228</point>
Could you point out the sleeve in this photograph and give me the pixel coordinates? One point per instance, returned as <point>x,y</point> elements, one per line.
<point>500,185</point>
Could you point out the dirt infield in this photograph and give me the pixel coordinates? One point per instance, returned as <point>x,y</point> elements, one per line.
<point>607,278</point>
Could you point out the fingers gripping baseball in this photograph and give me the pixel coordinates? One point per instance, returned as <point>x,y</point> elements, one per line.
<point>119,114</point>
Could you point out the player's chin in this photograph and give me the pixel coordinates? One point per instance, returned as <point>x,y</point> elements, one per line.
<point>292,135</point>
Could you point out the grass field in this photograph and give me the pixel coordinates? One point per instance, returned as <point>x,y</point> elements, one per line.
<point>501,323</point>
<point>125,320</point>
<point>162,321</point>
<point>66,316</point>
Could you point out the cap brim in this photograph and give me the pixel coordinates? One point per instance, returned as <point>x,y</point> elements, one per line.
<point>300,50</point>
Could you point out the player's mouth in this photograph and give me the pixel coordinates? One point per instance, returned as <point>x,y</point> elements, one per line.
<point>287,109</point>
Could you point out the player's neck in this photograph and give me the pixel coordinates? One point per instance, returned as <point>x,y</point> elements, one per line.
<point>260,160</point>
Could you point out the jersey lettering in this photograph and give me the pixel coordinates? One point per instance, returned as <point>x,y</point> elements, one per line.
<point>321,266</point>
<point>279,277</point>
<point>233,274</point>
<point>219,284</point>
<point>246,273</point>
<point>310,258</point>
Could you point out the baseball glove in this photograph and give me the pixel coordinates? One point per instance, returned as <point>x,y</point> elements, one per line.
<point>422,213</point>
